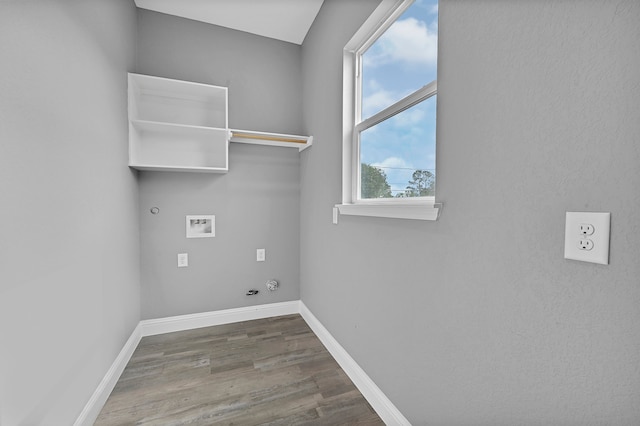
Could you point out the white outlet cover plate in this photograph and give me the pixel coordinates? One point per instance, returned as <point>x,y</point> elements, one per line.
<point>601,224</point>
<point>260,255</point>
<point>183,260</point>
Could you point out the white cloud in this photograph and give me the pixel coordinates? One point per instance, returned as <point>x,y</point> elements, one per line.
<point>408,40</point>
<point>409,118</point>
<point>377,101</point>
<point>382,98</point>
<point>393,163</point>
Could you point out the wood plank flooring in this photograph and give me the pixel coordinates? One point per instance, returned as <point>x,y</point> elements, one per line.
<point>271,371</point>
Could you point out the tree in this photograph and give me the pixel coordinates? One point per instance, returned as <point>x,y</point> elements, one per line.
<point>422,185</point>
<point>373,182</point>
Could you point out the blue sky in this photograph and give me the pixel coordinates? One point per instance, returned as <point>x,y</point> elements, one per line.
<point>401,61</point>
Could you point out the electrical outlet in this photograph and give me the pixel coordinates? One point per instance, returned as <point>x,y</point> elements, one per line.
<point>183,260</point>
<point>586,237</point>
<point>585,244</point>
<point>586,229</point>
<point>260,255</point>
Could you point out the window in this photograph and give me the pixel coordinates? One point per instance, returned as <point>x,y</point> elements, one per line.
<point>389,113</point>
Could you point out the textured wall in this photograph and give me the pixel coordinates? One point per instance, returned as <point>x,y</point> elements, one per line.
<point>69,239</point>
<point>257,203</point>
<point>262,74</point>
<point>477,319</point>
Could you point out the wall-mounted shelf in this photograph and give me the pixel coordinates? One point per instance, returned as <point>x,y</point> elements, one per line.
<point>177,125</point>
<point>271,139</point>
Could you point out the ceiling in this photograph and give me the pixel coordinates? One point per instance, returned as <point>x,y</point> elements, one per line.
<point>286,20</point>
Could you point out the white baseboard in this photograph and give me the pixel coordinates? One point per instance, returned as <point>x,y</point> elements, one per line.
<point>167,325</point>
<point>372,393</point>
<point>91,410</point>
<point>208,319</point>
<point>380,403</point>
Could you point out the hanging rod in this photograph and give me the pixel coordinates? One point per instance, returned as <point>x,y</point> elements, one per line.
<point>267,137</point>
<point>272,139</point>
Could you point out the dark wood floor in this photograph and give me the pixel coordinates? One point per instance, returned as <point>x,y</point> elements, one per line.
<point>272,371</point>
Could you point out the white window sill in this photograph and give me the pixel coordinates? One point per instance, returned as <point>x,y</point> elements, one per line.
<point>416,211</point>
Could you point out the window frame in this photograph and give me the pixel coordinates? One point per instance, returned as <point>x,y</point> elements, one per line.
<point>421,208</point>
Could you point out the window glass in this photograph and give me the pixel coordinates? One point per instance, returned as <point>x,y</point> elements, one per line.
<point>402,60</point>
<point>392,151</point>
<point>397,154</point>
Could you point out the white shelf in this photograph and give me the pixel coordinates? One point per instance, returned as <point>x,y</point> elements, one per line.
<point>271,139</point>
<point>157,146</point>
<point>177,125</point>
<point>179,102</point>
<point>183,126</point>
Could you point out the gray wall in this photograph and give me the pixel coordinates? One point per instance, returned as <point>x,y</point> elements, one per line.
<point>477,319</point>
<point>256,204</point>
<point>262,74</point>
<point>69,239</point>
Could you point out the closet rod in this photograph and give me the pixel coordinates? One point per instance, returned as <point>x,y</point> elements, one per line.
<point>267,138</point>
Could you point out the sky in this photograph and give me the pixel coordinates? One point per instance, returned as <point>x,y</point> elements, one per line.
<point>401,61</point>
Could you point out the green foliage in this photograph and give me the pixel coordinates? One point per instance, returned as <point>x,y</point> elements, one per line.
<point>423,184</point>
<point>373,182</point>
